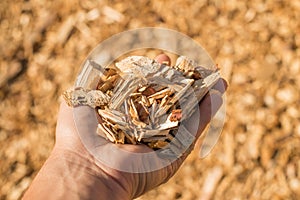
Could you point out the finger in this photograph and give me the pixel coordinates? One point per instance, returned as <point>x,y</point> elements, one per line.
<point>211,103</point>
<point>74,122</point>
<point>65,127</point>
<point>208,108</point>
<point>221,86</point>
<point>163,59</point>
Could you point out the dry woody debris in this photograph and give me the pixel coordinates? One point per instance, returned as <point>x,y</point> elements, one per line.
<point>142,101</point>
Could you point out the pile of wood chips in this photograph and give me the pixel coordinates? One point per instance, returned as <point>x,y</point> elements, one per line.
<point>142,101</point>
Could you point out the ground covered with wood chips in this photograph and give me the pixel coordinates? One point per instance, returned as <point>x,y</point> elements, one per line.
<point>256,44</point>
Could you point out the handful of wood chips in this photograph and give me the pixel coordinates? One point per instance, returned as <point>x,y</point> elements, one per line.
<point>139,100</point>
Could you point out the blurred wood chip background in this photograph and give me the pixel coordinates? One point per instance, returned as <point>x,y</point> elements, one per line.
<point>256,44</point>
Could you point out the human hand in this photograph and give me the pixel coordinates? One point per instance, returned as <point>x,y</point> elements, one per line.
<point>102,177</point>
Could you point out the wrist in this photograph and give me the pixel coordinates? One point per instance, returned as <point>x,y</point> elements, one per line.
<point>68,175</point>
<point>90,180</point>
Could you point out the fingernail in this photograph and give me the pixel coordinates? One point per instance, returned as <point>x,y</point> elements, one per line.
<point>163,59</point>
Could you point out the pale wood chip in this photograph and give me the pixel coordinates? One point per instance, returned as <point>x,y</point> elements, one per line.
<point>84,97</point>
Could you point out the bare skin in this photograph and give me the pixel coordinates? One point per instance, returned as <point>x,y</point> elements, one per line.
<point>71,172</point>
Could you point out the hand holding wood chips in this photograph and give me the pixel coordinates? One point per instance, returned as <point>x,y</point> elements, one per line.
<point>140,100</point>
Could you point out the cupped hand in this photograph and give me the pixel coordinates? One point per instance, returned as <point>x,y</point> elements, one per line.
<point>126,171</point>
